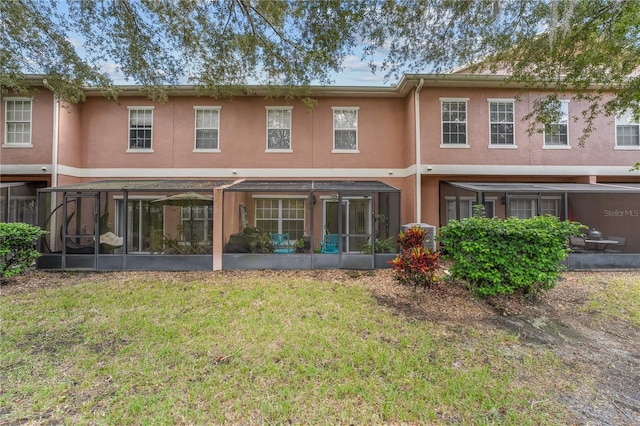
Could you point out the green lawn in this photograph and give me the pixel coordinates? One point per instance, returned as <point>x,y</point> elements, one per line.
<point>617,300</point>
<point>232,349</point>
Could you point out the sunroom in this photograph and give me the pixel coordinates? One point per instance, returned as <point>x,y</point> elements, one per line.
<point>209,225</point>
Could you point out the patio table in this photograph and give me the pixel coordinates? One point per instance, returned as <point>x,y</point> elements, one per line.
<point>601,244</point>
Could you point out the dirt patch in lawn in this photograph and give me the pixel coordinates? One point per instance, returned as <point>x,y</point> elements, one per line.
<point>604,356</point>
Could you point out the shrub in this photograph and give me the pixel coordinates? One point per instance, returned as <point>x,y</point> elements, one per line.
<point>382,245</point>
<point>259,242</point>
<point>497,256</point>
<point>17,252</point>
<point>415,265</point>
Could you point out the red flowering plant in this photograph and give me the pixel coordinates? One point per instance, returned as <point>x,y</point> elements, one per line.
<point>415,265</point>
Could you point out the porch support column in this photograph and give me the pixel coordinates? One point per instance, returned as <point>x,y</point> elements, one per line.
<point>218,235</point>
<point>218,224</point>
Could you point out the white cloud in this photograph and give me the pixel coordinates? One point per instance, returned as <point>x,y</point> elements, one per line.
<point>113,70</point>
<point>353,63</point>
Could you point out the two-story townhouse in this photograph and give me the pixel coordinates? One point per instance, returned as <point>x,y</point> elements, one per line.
<point>357,163</point>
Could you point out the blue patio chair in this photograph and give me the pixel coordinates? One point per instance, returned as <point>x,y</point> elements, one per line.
<point>281,243</point>
<point>329,244</point>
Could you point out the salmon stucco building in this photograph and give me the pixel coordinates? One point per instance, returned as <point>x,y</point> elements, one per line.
<point>193,182</point>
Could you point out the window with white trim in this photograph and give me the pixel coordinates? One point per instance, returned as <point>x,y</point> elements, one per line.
<point>278,129</point>
<point>207,128</point>
<point>557,134</point>
<point>345,129</point>
<point>17,115</point>
<point>466,207</point>
<point>526,207</point>
<point>281,215</point>
<point>501,122</point>
<point>196,223</point>
<point>628,130</point>
<point>454,122</point>
<point>140,128</point>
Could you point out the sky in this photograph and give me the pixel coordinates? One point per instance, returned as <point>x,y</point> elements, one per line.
<point>358,73</point>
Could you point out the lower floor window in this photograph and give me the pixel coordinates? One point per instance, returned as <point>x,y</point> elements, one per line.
<point>196,223</point>
<point>525,208</point>
<point>281,215</point>
<point>466,208</point>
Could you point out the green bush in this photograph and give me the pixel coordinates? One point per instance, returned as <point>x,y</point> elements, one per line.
<point>17,252</point>
<point>497,256</point>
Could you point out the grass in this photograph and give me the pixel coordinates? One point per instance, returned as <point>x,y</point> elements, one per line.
<point>235,350</point>
<point>617,300</point>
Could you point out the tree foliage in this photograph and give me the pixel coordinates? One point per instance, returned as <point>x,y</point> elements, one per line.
<point>588,47</point>
<point>218,46</point>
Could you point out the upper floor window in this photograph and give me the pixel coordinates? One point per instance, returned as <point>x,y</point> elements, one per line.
<point>17,122</point>
<point>628,130</point>
<point>454,122</point>
<point>501,122</point>
<point>345,129</point>
<point>207,128</point>
<point>140,128</point>
<point>278,129</point>
<point>557,134</point>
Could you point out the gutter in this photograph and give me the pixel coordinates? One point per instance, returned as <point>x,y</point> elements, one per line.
<point>416,99</point>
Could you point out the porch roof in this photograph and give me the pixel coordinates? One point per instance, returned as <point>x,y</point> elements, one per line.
<point>141,185</point>
<point>311,186</point>
<point>528,188</point>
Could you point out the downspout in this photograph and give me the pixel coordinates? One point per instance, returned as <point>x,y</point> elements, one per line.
<point>55,142</point>
<point>416,99</point>
<point>54,170</point>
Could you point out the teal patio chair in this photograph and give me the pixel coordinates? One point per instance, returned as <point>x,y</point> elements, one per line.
<point>281,243</point>
<point>329,244</point>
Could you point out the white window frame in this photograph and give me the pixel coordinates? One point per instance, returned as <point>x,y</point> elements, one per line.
<point>511,102</point>
<point>564,121</point>
<point>465,122</point>
<point>206,212</point>
<point>280,217</point>
<point>533,203</point>
<point>215,126</point>
<point>626,120</point>
<point>468,203</point>
<point>6,142</point>
<point>283,109</point>
<point>129,129</point>
<point>337,110</point>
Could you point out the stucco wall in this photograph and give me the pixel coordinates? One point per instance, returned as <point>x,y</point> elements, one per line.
<point>599,148</point>
<point>41,132</point>
<point>382,134</point>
